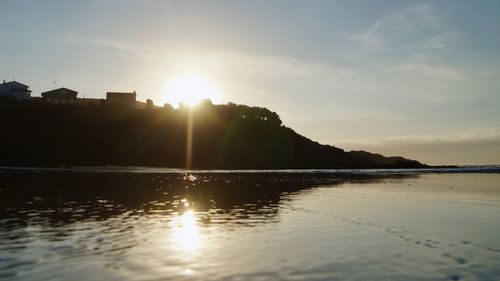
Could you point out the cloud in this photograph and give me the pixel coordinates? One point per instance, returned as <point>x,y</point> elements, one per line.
<point>415,29</point>
<point>441,42</point>
<point>372,38</point>
<point>135,47</point>
<point>253,77</point>
<point>422,68</point>
<point>468,147</point>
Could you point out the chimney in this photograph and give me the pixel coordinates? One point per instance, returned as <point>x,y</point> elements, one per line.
<point>4,81</point>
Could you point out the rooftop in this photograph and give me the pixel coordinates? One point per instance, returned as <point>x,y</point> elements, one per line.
<point>120,93</point>
<point>61,90</point>
<point>14,83</point>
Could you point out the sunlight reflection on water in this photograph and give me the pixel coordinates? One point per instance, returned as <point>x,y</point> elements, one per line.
<point>150,227</point>
<point>187,233</point>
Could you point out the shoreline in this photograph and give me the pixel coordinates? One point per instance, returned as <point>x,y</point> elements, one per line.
<point>157,170</point>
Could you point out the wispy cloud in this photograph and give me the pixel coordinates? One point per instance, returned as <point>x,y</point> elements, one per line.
<point>130,46</point>
<point>472,146</point>
<point>425,69</point>
<point>442,41</point>
<point>371,38</point>
<point>414,29</point>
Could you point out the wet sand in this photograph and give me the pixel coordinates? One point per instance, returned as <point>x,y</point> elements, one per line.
<point>85,225</point>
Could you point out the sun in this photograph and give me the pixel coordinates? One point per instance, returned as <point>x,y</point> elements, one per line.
<point>190,89</point>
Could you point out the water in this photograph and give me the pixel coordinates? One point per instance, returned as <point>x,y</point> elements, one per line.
<point>353,225</point>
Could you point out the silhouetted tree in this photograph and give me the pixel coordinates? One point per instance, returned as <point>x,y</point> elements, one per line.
<point>168,106</point>
<point>206,103</point>
<point>227,136</point>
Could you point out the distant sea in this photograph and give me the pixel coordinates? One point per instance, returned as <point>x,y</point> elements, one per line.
<point>138,169</point>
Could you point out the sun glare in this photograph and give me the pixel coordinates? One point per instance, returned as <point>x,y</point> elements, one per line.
<point>187,234</point>
<point>190,89</point>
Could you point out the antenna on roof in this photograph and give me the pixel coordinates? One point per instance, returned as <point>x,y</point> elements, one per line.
<point>54,83</point>
<point>13,77</point>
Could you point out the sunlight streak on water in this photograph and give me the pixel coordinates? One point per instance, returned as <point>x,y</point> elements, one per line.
<point>187,233</point>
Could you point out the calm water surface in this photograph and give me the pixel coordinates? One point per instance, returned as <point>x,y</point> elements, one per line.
<point>83,225</point>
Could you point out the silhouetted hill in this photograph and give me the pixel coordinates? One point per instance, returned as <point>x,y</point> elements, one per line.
<point>224,137</point>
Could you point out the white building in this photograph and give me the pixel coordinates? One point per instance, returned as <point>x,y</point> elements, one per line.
<point>15,90</point>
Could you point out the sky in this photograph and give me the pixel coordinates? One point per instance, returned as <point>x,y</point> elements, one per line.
<point>418,79</point>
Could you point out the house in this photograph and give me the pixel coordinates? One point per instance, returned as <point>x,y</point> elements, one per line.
<point>121,98</point>
<point>90,102</point>
<point>60,96</point>
<point>15,90</point>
